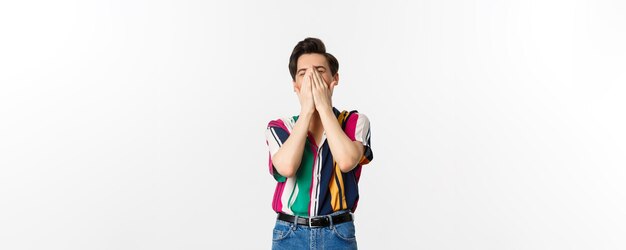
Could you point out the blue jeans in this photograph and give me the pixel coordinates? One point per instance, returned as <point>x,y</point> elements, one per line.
<point>288,235</point>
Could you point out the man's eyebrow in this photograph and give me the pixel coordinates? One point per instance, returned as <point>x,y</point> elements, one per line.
<point>317,67</point>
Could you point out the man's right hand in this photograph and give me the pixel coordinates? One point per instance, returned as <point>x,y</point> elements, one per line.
<point>307,105</point>
<point>288,158</point>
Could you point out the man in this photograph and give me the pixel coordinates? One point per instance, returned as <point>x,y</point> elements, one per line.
<point>316,158</point>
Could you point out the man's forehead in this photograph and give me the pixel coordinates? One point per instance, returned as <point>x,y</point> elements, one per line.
<point>311,59</point>
<point>317,66</point>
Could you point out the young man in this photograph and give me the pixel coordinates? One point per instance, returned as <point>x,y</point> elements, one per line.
<point>316,158</point>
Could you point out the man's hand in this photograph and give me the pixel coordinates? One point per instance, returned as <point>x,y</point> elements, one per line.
<point>322,93</point>
<point>305,94</point>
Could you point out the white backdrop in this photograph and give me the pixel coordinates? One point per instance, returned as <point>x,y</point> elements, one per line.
<point>140,124</point>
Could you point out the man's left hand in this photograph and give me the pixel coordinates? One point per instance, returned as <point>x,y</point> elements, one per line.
<point>322,93</point>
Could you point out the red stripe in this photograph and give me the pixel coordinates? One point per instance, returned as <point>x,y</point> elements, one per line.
<point>351,126</point>
<point>277,204</point>
<point>278,123</point>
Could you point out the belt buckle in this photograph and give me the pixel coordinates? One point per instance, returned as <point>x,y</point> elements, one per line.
<point>310,221</point>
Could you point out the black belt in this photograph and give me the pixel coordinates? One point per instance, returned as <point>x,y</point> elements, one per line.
<point>319,221</point>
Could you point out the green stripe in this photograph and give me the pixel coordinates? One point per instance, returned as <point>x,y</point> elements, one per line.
<point>304,177</point>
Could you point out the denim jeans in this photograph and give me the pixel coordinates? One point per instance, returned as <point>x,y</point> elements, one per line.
<point>288,235</point>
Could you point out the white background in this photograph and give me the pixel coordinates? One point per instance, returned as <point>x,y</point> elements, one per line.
<point>140,124</point>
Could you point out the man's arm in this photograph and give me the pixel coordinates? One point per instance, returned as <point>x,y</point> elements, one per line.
<point>289,156</point>
<point>346,153</point>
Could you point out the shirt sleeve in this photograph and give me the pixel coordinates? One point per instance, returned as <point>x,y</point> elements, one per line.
<point>357,127</point>
<point>275,136</point>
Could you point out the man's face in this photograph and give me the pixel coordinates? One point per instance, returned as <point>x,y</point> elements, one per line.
<point>305,61</point>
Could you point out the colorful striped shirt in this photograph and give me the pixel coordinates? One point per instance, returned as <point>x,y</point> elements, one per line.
<point>318,187</point>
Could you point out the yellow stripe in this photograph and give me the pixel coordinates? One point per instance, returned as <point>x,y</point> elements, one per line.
<point>335,189</point>
<point>336,181</point>
<point>342,117</point>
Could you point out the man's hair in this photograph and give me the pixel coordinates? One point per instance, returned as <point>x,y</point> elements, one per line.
<point>307,46</point>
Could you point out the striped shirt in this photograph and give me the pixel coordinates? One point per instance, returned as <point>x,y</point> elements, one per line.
<point>319,187</point>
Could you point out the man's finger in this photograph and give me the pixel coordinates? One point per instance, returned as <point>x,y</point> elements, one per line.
<point>314,79</point>
<point>313,71</point>
<point>313,74</point>
<point>319,80</point>
<point>310,77</point>
<point>305,80</point>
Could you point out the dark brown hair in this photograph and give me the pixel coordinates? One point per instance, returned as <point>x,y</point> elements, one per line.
<point>311,45</point>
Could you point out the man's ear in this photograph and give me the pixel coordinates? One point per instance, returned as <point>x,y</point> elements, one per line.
<point>295,88</point>
<point>335,79</point>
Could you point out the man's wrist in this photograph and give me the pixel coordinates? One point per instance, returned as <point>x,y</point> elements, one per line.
<point>324,111</point>
<point>306,113</point>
